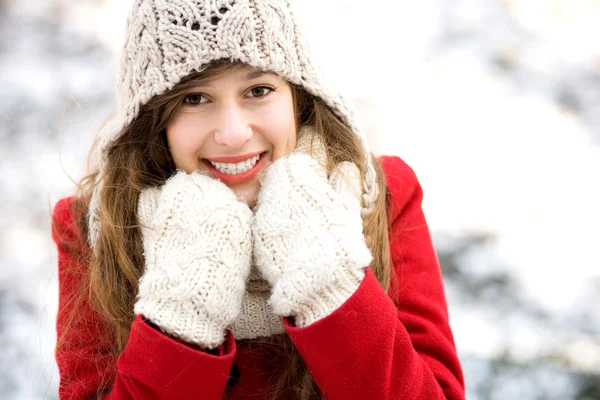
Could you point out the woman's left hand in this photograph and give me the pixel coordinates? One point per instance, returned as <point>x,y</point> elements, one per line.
<point>308,233</point>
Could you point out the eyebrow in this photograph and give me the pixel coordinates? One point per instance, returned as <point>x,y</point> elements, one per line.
<point>258,74</point>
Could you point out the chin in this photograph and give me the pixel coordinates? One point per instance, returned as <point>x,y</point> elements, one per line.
<point>247,194</point>
<point>249,200</point>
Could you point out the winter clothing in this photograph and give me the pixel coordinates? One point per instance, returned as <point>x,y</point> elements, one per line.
<point>368,348</point>
<point>180,254</point>
<point>308,244</point>
<point>308,236</point>
<point>197,251</point>
<point>165,41</point>
<point>257,318</point>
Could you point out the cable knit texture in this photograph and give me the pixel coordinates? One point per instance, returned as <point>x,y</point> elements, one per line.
<point>166,40</point>
<point>198,249</point>
<point>308,238</point>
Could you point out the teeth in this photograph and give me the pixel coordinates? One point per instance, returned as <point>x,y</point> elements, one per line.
<point>234,169</point>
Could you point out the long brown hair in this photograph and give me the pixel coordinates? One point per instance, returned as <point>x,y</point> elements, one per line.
<point>140,158</point>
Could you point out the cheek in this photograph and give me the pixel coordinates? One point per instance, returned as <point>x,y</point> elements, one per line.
<point>280,125</point>
<point>184,138</point>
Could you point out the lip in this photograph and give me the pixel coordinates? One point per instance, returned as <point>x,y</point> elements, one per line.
<point>239,178</point>
<point>234,159</point>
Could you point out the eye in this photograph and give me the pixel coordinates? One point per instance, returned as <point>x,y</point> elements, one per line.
<point>260,91</point>
<point>193,99</point>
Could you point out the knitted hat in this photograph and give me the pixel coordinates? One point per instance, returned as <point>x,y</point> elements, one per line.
<point>167,40</point>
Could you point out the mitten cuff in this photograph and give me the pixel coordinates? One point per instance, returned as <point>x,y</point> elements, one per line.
<point>330,298</point>
<point>176,320</point>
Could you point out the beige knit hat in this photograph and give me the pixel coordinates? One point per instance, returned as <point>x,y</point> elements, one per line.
<point>166,40</point>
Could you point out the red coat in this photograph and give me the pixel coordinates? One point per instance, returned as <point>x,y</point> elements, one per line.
<point>366,349</point>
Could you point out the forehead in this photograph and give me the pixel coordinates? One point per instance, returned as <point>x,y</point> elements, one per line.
<point>239,73</point>
<point>249,73</point>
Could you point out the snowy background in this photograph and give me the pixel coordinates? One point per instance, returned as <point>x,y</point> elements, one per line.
<point>494,103</point>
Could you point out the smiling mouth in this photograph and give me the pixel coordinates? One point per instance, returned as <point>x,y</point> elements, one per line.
<point>236,168</point>
<point>236,173</point>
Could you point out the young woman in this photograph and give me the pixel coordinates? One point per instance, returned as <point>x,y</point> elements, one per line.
<point>235,237</point>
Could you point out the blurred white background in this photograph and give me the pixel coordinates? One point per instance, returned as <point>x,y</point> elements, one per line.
<point>494,103</point>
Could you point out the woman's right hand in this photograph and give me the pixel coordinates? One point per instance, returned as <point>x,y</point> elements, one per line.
<point>197,249</point>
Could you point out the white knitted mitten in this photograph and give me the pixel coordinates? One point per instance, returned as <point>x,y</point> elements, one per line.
<point>198,249</point>
<point>308,239</point>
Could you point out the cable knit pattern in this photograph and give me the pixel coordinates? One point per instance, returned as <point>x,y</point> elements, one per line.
<point>166,40</point>
<point>197,248</point>
<point>308,239</point>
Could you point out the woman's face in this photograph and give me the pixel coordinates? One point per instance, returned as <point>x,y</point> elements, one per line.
<point>232,127</point>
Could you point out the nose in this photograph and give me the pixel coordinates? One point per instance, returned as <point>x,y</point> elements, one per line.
<point>233,129</point>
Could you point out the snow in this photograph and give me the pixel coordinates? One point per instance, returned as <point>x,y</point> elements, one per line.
<point>493,103</point>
